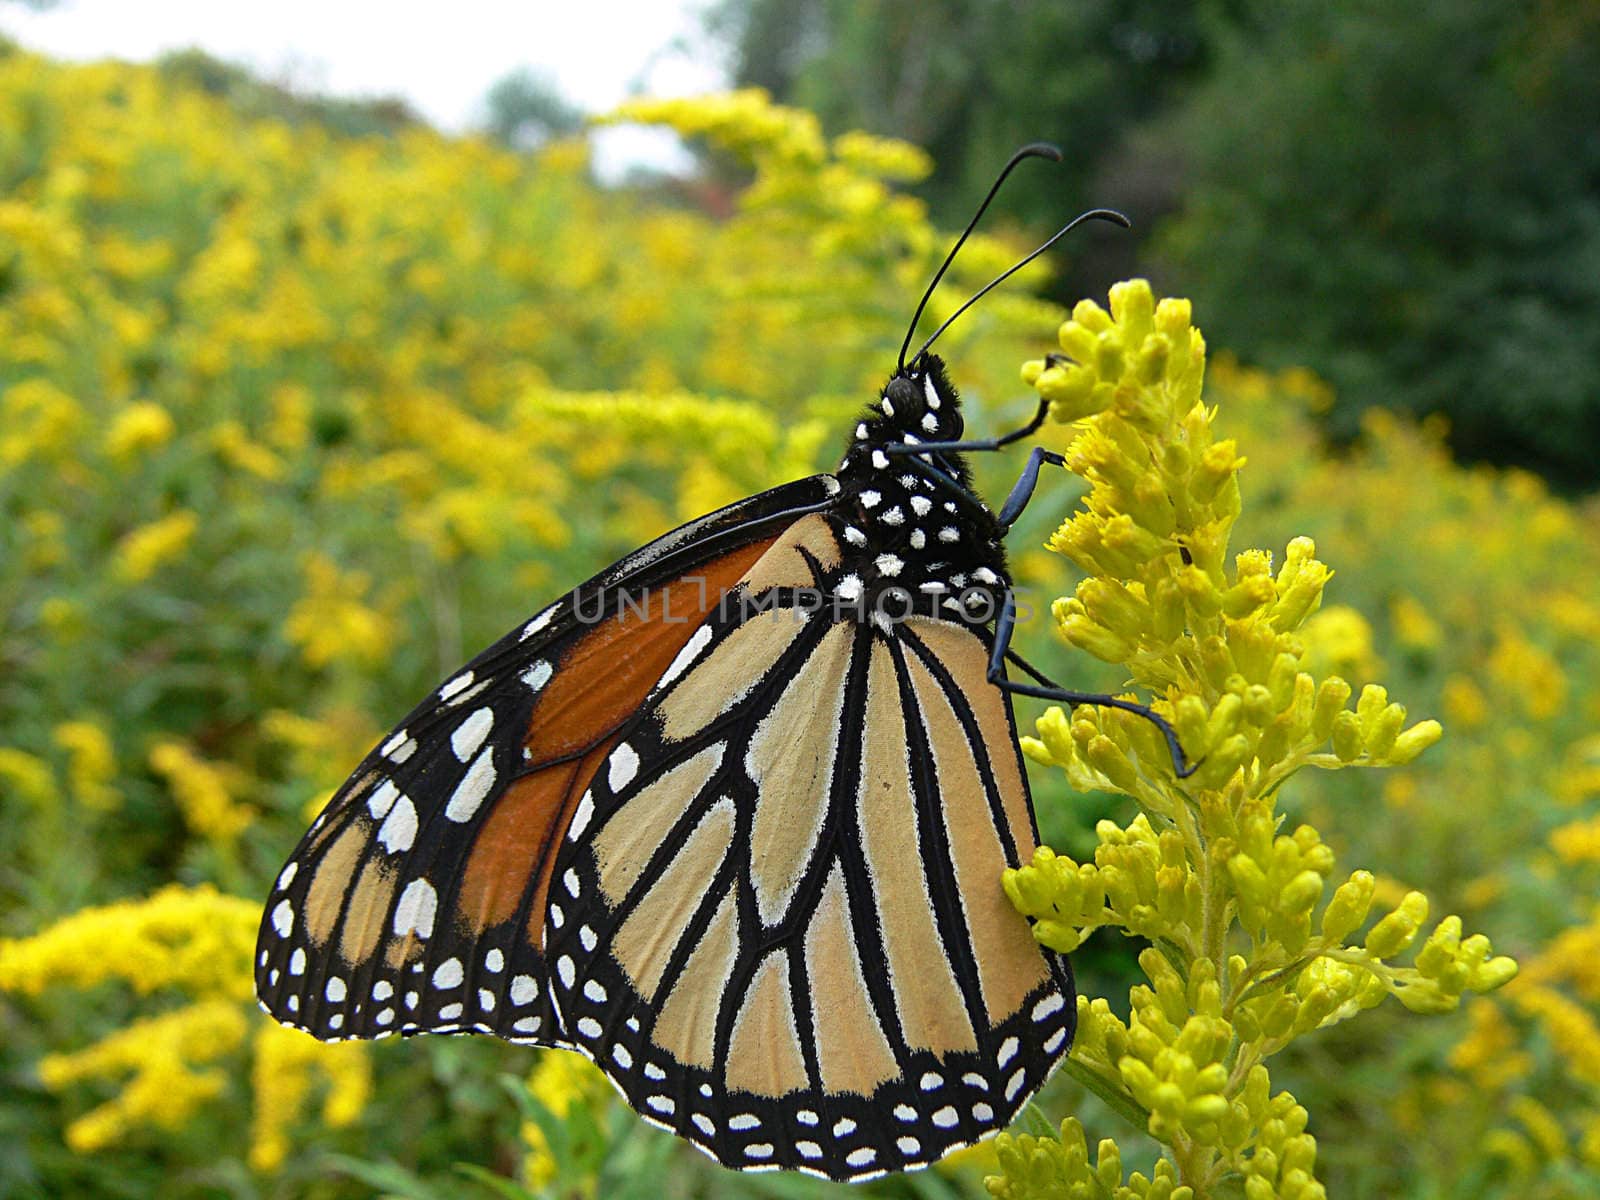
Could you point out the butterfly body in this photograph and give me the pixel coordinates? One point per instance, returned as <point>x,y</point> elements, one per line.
<point>730,819</point>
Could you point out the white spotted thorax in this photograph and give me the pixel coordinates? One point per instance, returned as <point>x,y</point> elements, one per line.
<point>910,542</point>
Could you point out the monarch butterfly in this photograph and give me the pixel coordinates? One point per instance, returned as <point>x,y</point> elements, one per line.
<point>729,819</point>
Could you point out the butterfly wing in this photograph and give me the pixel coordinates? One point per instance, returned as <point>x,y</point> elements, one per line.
<point>779,925</point>
<point>416,902</point>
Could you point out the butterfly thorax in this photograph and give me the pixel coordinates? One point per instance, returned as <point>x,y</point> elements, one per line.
<point>913,532</point>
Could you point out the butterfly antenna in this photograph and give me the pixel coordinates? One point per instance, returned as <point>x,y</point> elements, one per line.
<point>1096,214</point>
<point>1032,150</point>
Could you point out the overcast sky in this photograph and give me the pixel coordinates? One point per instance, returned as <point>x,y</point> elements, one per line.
<point>442,57</point>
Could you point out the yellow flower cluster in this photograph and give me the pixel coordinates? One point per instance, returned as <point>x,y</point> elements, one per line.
<point>159,1056</point>
<point>284,1072</point>
<point>91,763</point>
<point>145,550</point>
<point>562,1087</point>
<point>333,622</point>
<point>1244,963</point>
<point>195,939</point>
<point>205,791</point>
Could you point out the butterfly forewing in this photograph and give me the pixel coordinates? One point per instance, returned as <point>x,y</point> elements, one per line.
<point>416,902</point>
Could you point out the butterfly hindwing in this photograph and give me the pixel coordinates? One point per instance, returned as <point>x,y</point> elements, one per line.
<point>780,927</point>
<point>416,902</point>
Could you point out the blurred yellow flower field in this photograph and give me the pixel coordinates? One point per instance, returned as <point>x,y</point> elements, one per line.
<point>292,423</point>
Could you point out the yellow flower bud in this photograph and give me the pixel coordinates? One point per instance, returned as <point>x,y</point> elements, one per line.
<point>1347,736</point>
<point>1090,635</point>
<point>1300,894</point>
<point>1332,697</point>
<point>1347,911</point>
<point>1409,744</point>
<point>1399,929</point>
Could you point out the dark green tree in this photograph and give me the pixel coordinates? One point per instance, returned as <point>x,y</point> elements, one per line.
<point>1408,201</point>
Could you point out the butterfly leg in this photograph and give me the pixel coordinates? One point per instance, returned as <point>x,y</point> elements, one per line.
<point>1022,491</point>
<point>1045,689</point>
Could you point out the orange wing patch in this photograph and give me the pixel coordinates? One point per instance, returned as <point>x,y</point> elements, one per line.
<point>599,682</point>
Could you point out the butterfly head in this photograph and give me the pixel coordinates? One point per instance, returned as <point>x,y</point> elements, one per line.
<point>919,404</point>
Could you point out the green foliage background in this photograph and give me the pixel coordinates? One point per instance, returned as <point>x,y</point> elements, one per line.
<point>294,415</point>
<point>1405,198</point>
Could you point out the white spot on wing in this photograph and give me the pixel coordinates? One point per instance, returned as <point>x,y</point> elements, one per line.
<point>930,393</point>
<point>1008,1051</point>
<point>888,564</point>
<point>524,990</point>
<point>469,735</point>
<point>382,799</point>
<point>580,817</point>
<point>283,918</point>
<point>539,622</point>
<point>931,1081</point>
<point>1014,1084</point>
<point>399,829</point>
<point>494,962</point>
<point>449,974</point>
<point>457,685</point>
<point>297,961</point>
<point>335,989</point>
<point>921,505</point>
<point>287,877</point>
<point>394,743</point>
<point>861,1156</point>
<point>536,676</point>
<point>1049,1006</point>
<point>692,649</point>
<point>472,789</point>
<point>946,1117</point>
<point>622,766</point>
<point>416,908</point>
<point>870,498</point>
<point>848,589</point>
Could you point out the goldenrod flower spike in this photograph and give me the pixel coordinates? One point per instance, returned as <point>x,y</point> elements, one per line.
<point>1254,935</point>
